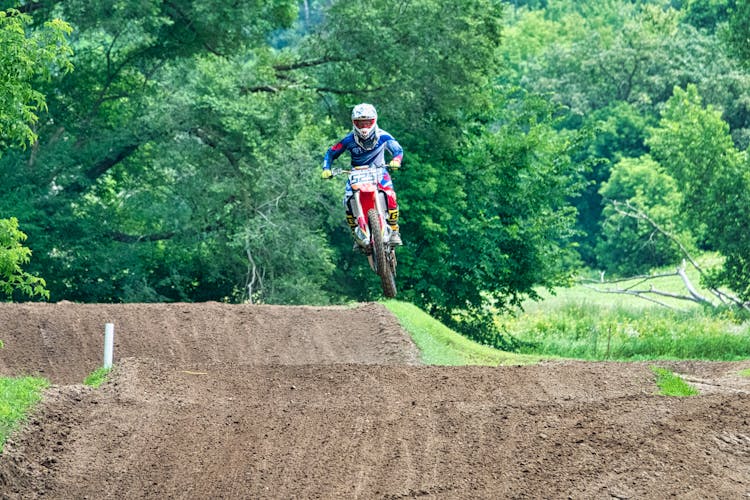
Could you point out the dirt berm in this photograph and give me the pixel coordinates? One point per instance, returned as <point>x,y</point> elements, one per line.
<point>217,401</point>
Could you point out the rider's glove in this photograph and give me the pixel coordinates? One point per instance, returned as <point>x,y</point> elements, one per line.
<point>394,164</point>
<point>326,174</point>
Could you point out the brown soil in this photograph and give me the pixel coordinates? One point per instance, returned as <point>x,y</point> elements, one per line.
<point>240,401</point>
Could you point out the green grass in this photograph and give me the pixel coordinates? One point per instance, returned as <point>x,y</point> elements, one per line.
<point>17,396</point>
<point>579,322</point>
<point>671,384</point>
<point>97,377</point>
<point>745,373</point>
<point>595,331</point>
<point>439,345</point>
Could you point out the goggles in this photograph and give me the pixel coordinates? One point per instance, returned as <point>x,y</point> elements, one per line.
<point>364,122</point>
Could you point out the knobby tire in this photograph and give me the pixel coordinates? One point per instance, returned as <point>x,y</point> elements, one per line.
<point>382,266</point>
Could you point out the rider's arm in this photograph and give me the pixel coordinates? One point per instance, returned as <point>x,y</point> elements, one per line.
<point>333,153</point>
<point>396,161</point>
<point>396,150</point>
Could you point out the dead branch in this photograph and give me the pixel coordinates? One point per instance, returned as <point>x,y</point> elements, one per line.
<point>253,276</point>
<point>626,209</point>
<point>690,288</point>
<point>636,213</point>
<point>642,294</point>
<point>648,293</point>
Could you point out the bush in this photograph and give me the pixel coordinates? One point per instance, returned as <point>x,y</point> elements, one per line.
<point>12,255</point>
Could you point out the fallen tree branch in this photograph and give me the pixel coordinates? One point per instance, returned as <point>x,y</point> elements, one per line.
<point>626,209</point>
<point>642,294</point>
<point>690,288</point>
<point>693,295</point>
<point>636,213</point>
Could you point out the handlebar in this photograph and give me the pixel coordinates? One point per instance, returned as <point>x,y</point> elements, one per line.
<point>339,171</point>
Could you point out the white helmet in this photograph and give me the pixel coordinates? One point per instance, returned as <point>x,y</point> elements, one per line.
<point>365,122</point>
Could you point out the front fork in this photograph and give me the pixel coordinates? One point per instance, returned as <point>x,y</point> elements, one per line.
<point>356,216</point>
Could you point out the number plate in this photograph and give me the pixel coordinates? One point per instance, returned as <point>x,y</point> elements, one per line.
<point>368,176</point>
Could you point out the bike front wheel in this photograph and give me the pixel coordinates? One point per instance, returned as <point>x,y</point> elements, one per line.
<point>380,257</point>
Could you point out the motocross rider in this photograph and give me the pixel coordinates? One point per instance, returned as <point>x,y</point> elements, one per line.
<point>367,144</point>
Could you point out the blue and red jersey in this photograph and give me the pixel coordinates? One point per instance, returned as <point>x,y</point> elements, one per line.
<point>361,156</point>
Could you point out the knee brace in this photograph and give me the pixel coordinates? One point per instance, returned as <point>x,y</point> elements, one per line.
<point>393,218</point>
<point>350,220</point>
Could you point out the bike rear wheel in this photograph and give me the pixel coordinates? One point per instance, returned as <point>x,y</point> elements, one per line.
<point>380,257</point>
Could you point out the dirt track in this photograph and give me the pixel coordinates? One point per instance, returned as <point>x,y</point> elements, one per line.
<point>228,401</point>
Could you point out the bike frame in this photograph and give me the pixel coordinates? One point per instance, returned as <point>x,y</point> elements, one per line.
<point>368,195</point>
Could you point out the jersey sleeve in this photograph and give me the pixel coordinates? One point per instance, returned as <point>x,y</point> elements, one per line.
<point>394,148</point>
<point>333,153</point>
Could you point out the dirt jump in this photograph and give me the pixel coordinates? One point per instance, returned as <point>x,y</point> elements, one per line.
<point>218,401</point>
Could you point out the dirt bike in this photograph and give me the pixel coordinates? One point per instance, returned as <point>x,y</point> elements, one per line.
<point>369,205</point>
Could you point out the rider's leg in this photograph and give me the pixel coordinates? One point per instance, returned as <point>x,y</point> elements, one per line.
<point>393,217</point>
<point>387,185</point>
<point>352,226</point>
<point>350,221</point>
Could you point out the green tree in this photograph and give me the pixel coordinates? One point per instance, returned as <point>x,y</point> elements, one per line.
<point>707,14</point>
<point>693,143</point>
<point>515,228</point>
<point>428,65</point>
<point>737,33</point>
<point>13,279</point>
<point>153,166</point>
<point>631,245</point>
<point>25,56</point>
<point>614,64</point>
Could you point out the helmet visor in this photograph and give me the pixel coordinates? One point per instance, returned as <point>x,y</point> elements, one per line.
<point>364,122</point>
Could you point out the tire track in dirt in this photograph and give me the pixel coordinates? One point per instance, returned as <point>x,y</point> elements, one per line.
<point>64,341</point>
<point>274,413</point>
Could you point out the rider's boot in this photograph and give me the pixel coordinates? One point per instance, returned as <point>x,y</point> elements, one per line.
<point>352,225</point>
<point>393,222</point>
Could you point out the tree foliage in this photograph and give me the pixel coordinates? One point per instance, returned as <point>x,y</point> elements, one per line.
<point>139,175</point>
<point>13,279</point>
<point>179,160</point>
<point>630,246</point>
<point>694,145</point>
<point>26,55</point>
<point>737,33</point>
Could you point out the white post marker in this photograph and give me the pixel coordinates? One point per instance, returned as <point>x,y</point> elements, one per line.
<point>109,344</point>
